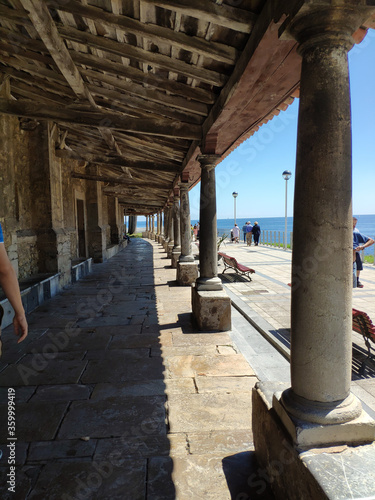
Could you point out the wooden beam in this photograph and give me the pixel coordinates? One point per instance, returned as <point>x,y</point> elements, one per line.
<point>156,34</point>
<point>116,161</point>
<point>111,180</point>
<point>147,93</point>
<point>206,10</point>
<point>46,28</point>
<point>138,54</point>
<point>149,79</point>
<point>99,119</point>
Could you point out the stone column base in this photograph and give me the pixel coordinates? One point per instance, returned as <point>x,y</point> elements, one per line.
<point>211,309</point>
<point>307,434</point>
<point>187,273</point>
<point>175,257</point>
<point>295,473</point>
<point>156,237</point>
<point>169,250</point>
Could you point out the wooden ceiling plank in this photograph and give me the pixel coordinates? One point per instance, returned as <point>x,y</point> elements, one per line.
<point>219,52</point>
<point>151,109</point>
<point>138,54</point>
<point>151,80</point>
<point>205,10</point>
<point>152,95</point>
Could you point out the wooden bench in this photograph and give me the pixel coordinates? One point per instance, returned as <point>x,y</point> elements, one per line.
<point>361,323</point>
<point>231,262</point>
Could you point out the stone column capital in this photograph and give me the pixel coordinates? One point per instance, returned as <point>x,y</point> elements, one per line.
<point>328,26</point>
<point>208,161</point>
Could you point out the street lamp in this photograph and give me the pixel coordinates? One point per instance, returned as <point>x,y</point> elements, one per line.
<point>234,194</point>
<point>287,174</point>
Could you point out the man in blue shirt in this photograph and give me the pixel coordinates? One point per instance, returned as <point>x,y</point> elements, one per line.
<point>249,233</point>
<point>360,242</point>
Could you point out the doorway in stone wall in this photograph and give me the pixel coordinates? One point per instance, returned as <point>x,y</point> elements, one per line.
<point>81,229</point>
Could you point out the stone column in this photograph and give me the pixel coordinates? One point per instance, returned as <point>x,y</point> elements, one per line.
<point>95,232</point>
<point>113,213</point>
<point>176,251</point>
<point>321,319</point>
<point>187,268</point>
<point>211,305</point>
<point>157,226</point>
<point>146,225</point>
<point>170,244</point>
<point>152,226</point>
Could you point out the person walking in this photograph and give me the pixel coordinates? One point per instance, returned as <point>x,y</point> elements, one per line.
<point>236,233</point>
<point>249,233</point>
<point>244,232</point>
<point>256,233</point>
<point>9,284</point>
<point>360,242</point>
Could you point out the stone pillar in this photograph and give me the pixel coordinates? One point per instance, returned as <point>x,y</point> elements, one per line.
<point>211,305</point>
<point>319,401</point>
<point>170,244</point>
<point>113,220</point>
<point>157,226</point>
<point>187,268</point>
<point>95,232</point>
<point>147,225</point>
<point>152,225</point>
<point>176,251</point>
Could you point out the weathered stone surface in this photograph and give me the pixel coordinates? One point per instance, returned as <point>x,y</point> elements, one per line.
<point>114,417</point>
<point>210,366</point>
<point>45,451</point>
<point>139,446</point>
<point>220,443</point>
<point>200,339</point>
<point>204,412</point>
<point>109,479</point>
<point>35,421</point>
<point>68,392</point>
<point>187,273</point>
<point>227,384</point>
<point>211,310</point>
<point>41,370</point>
<point>116,370</point>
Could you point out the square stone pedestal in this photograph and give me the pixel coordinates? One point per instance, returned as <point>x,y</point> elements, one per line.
<point>324,472</point>
<point>175,257</point>
<point>169,250</point>
<point>187,273</point>
<point>211,310</point>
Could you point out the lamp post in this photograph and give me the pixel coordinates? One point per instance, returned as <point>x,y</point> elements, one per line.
<point>287,174</point>
<point>234,194</point>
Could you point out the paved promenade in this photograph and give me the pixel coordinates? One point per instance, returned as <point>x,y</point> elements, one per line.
<point>266,303</point>
<point>118,396</point>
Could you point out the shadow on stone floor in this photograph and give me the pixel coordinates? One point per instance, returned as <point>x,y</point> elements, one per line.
<point>245,478</point>
<point>90,390</point>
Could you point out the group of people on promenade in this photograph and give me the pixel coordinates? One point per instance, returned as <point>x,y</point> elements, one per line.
<point>249,232</point>
<point>360,242</point>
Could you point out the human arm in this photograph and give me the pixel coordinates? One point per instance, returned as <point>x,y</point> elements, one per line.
<point>368,243</point>
<point>9,283</point>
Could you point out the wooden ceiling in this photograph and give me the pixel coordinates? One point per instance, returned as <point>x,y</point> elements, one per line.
<point>140,87</point>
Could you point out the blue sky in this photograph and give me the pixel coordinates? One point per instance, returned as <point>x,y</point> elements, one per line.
<point>254,169</point>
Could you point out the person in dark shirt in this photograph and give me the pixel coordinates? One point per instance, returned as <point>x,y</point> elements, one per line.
<point>256,233</point>
<point>360,242</point>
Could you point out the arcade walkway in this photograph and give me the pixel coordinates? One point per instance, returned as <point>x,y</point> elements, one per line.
<point>119,397</point>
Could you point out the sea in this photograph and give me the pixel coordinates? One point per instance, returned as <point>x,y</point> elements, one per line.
<point>365,224</point>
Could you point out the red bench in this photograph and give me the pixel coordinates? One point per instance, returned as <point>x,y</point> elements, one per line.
<point>361,323</point>
<point>231,262</point>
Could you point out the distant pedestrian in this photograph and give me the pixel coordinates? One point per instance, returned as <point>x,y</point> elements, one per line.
<point>256,233</point>
<point>244,232</point>
<point>236,233</point>
<point>249,233</point>
<point>360,242</point>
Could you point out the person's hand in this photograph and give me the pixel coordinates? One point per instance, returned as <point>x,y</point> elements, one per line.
<point>20,327</point>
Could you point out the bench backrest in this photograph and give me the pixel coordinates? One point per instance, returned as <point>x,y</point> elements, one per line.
<point>362,324</point>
